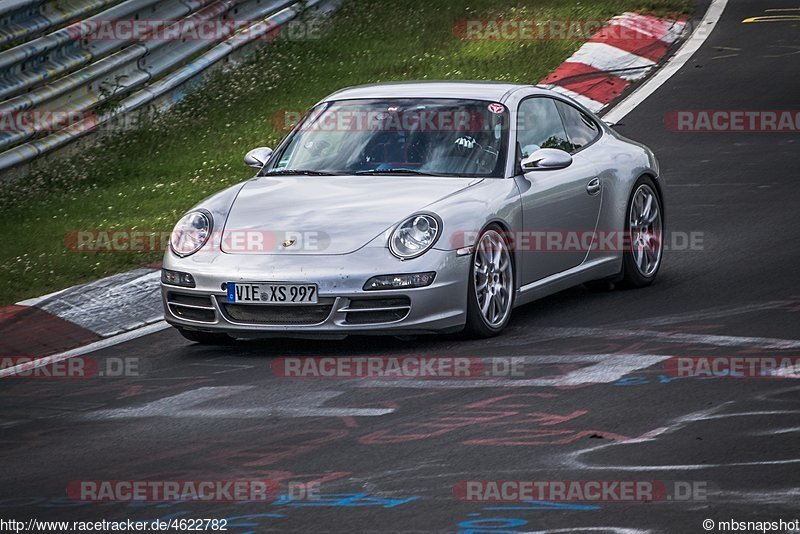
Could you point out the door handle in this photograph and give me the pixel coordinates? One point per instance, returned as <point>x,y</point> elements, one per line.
<point>593,187</point>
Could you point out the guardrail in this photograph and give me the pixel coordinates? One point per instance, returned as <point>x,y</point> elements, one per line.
<point>24,19</point>
<point>63,76</point>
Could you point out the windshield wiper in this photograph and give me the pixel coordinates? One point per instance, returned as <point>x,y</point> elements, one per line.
<point>304,172</point>
<point>400,171</point>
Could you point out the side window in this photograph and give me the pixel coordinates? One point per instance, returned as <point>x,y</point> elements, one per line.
<point>539,126</point>
<point>581,129</point>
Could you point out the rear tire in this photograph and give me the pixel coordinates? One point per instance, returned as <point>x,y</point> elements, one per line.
<point>206,338</point>
<point>490,287</point>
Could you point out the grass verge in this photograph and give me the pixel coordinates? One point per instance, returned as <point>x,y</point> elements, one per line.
<point>144,179</point>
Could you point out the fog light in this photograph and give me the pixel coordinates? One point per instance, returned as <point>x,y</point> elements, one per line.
<point>399,281</point>
<point>177,278</point>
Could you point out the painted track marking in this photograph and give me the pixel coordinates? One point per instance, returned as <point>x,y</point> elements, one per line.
<point>607,368</point>
<point>673,337</point>
<point>308,404</point>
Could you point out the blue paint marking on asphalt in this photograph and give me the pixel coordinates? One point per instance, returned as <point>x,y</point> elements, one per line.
<point>346,500</point>
<point>246,521</point>
<point>501,525</point>
<point>333,500</point>
<point>491,524</point>
<point>546,505</point>
<point>660,379</point>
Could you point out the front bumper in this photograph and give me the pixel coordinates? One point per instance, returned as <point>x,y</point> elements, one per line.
<point>344,307</point>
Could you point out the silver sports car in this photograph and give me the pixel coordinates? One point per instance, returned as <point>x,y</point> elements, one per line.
<point>408,208</point>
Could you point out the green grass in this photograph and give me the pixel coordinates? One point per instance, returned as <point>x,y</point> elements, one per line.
<point>144,179</point>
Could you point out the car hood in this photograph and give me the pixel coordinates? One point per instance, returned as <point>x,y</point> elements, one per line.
<point>326,214</point>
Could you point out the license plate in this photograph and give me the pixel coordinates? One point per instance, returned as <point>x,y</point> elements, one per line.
<point>267,293</point>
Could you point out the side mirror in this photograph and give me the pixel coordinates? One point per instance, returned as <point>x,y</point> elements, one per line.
<point>610,124</point>
<point>257,157</point>
<point>546,159</point>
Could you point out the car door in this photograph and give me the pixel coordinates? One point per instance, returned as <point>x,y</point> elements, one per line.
<point>560,207</point>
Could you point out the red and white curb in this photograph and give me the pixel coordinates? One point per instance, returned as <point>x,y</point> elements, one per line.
<point>81,314</point>
<point>621,53</point>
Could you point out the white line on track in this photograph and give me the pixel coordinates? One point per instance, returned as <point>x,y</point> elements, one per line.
<point>709,313</point>
<point>188,404</point>
<point>574,458</point>
<point>171,405</point>
<point>672,337</point>
<point>607,368</point>
<point>686,467</point>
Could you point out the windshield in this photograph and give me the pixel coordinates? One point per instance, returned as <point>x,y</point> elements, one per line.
<point>438,137</point>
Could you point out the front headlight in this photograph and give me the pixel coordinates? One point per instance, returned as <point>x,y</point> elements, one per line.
<point>414,236</point>
<point>191,233</point>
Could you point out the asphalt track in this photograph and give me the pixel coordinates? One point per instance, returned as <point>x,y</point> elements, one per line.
<point>389,452</point>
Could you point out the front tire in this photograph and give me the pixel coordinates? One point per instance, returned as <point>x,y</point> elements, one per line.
<point>490,291</point>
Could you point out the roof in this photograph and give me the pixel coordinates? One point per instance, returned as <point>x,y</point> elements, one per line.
<point>476,90</point>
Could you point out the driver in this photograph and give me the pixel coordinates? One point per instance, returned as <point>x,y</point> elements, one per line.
<point>482,156</point>
<point>465,145</point>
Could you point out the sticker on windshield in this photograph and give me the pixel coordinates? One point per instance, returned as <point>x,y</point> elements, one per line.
<point>496,108</point>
